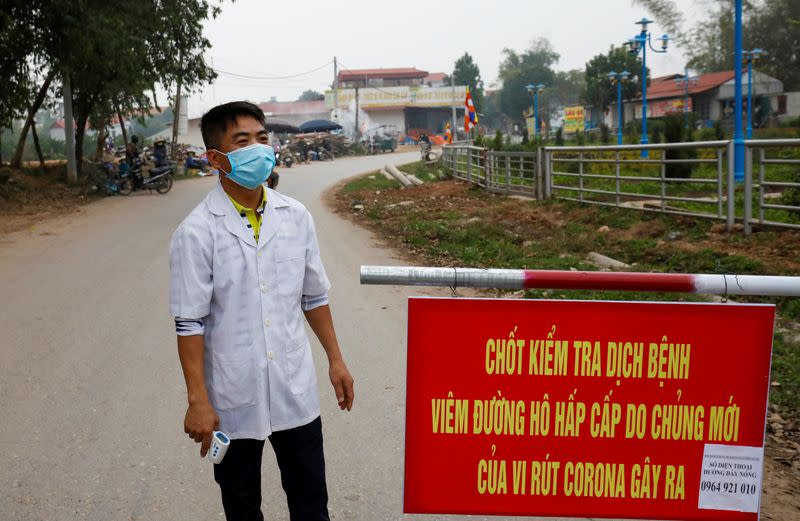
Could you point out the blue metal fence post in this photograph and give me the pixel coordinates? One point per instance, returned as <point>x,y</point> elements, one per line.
<point>750,96</point>
<point>643,37</point>
<point>619,111</point>
<point>738,134</point>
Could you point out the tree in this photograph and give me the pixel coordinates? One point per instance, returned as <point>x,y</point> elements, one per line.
<point>775,26</point>
<point>466,72</point>
<point>599,91</point>
<point>16,33</point>
<point>311,95</point>
<point>519,69</point>
<point>113,60</point>
<point>567,89</point>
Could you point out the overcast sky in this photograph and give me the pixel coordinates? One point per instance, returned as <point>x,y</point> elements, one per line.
<point>262,39</point>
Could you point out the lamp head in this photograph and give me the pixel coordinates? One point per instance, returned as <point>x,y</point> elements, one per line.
<point>623,76</point>
<point>530,87</point>
<point>644,22</point>
<point>612,76</point>
<point>540,88</point>
<point>664,41</point>
<point>756,54</point>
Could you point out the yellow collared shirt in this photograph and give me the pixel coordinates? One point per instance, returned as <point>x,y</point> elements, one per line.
<point>251,217</point>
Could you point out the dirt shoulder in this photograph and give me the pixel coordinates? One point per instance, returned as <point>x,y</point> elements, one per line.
<point>448,223</point>
<point>33,195</point>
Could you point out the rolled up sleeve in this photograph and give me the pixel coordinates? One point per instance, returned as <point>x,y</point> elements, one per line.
<point>315,280</point>
<point>190,260</point>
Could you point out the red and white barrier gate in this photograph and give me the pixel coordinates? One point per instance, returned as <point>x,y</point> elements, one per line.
<point>712,284</point>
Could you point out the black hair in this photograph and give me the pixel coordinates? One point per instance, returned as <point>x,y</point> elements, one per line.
<point>215,122</point>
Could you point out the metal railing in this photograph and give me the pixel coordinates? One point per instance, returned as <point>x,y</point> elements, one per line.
<point>513,173</point>
<point>499,172</point>
<point>692,179</point>
<point>777,183</point>
<point>467,162</point>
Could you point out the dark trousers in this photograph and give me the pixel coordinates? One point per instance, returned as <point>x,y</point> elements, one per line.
<point>302,466</point>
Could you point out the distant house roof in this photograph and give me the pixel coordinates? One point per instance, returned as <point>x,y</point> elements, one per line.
<point>435,76</point>
<point>666,87</point>
<point>59,123</point>
<point>386,74</point>
<point>284,108</point>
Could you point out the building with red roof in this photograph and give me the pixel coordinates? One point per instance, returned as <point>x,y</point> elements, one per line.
<point>709,96</point>
<point>406,100</point>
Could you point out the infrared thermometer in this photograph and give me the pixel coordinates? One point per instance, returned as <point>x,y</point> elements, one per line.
<point>219,446</point>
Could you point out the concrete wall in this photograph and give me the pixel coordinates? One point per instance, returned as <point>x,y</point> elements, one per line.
<point>388,117</point>
<point>792,106</point>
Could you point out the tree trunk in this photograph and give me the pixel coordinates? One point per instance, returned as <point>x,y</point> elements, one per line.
<point>79,134</point>
<point>36,144</point>
<point>122,128</point>
<point>1,146</point>
<point>16,162</point>
<point>101,141</point>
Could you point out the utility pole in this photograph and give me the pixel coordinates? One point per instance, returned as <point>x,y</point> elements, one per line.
<point>335,90</point>
<point>453,106</point>
<point>176,117</point>
<point>69,131</point>
<point>356,133</point>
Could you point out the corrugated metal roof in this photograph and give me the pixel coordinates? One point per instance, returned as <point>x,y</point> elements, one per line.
<point>278,108</point>
<point>393,74</point>
<point>666,87</point>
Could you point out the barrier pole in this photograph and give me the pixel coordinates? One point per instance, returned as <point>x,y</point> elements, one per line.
<point>709,284</point>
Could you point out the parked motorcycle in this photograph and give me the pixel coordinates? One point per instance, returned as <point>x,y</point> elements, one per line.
<point>105,176</point>
<point>159,179</point>
<point>285,157</point>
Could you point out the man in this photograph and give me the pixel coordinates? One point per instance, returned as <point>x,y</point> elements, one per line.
<point>244,264</point>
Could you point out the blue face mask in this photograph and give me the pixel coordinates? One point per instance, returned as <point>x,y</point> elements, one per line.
<point>251,165</point>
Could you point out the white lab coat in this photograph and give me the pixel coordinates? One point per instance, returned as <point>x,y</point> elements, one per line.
<point>258,366</point>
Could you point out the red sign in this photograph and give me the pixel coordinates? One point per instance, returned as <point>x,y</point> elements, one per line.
<point>586,409</point>
<point>660,108</point>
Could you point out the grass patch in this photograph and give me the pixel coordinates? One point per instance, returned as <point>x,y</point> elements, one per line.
<point>373,181</point>
<point>454,224</point>
<point>785,371</point>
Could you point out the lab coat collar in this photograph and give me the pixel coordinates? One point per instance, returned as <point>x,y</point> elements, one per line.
<point>220,204</point>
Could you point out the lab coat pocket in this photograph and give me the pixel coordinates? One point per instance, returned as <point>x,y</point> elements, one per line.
<point>291,272</point>
<point>300,368</point>
<point>234,383</point>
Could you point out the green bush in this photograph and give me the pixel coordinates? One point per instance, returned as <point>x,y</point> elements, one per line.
<point>498,141</point>
<point>674,133</point>
<point>560,137</point>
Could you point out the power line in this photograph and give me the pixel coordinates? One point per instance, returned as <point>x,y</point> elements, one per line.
<point>271,78</point>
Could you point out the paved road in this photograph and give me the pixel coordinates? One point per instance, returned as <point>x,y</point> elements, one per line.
<point>91,393</point>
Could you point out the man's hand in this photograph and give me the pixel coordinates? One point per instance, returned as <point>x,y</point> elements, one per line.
<point>342,384</point>
<point>200,423</point>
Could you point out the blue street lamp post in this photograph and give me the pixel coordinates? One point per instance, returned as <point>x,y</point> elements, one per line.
<point>535,90</point>
<point>752,57</point>
<point>738,135</point>
<point>686,81</point>
<point>619,78</point>
<point>640,42</point>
